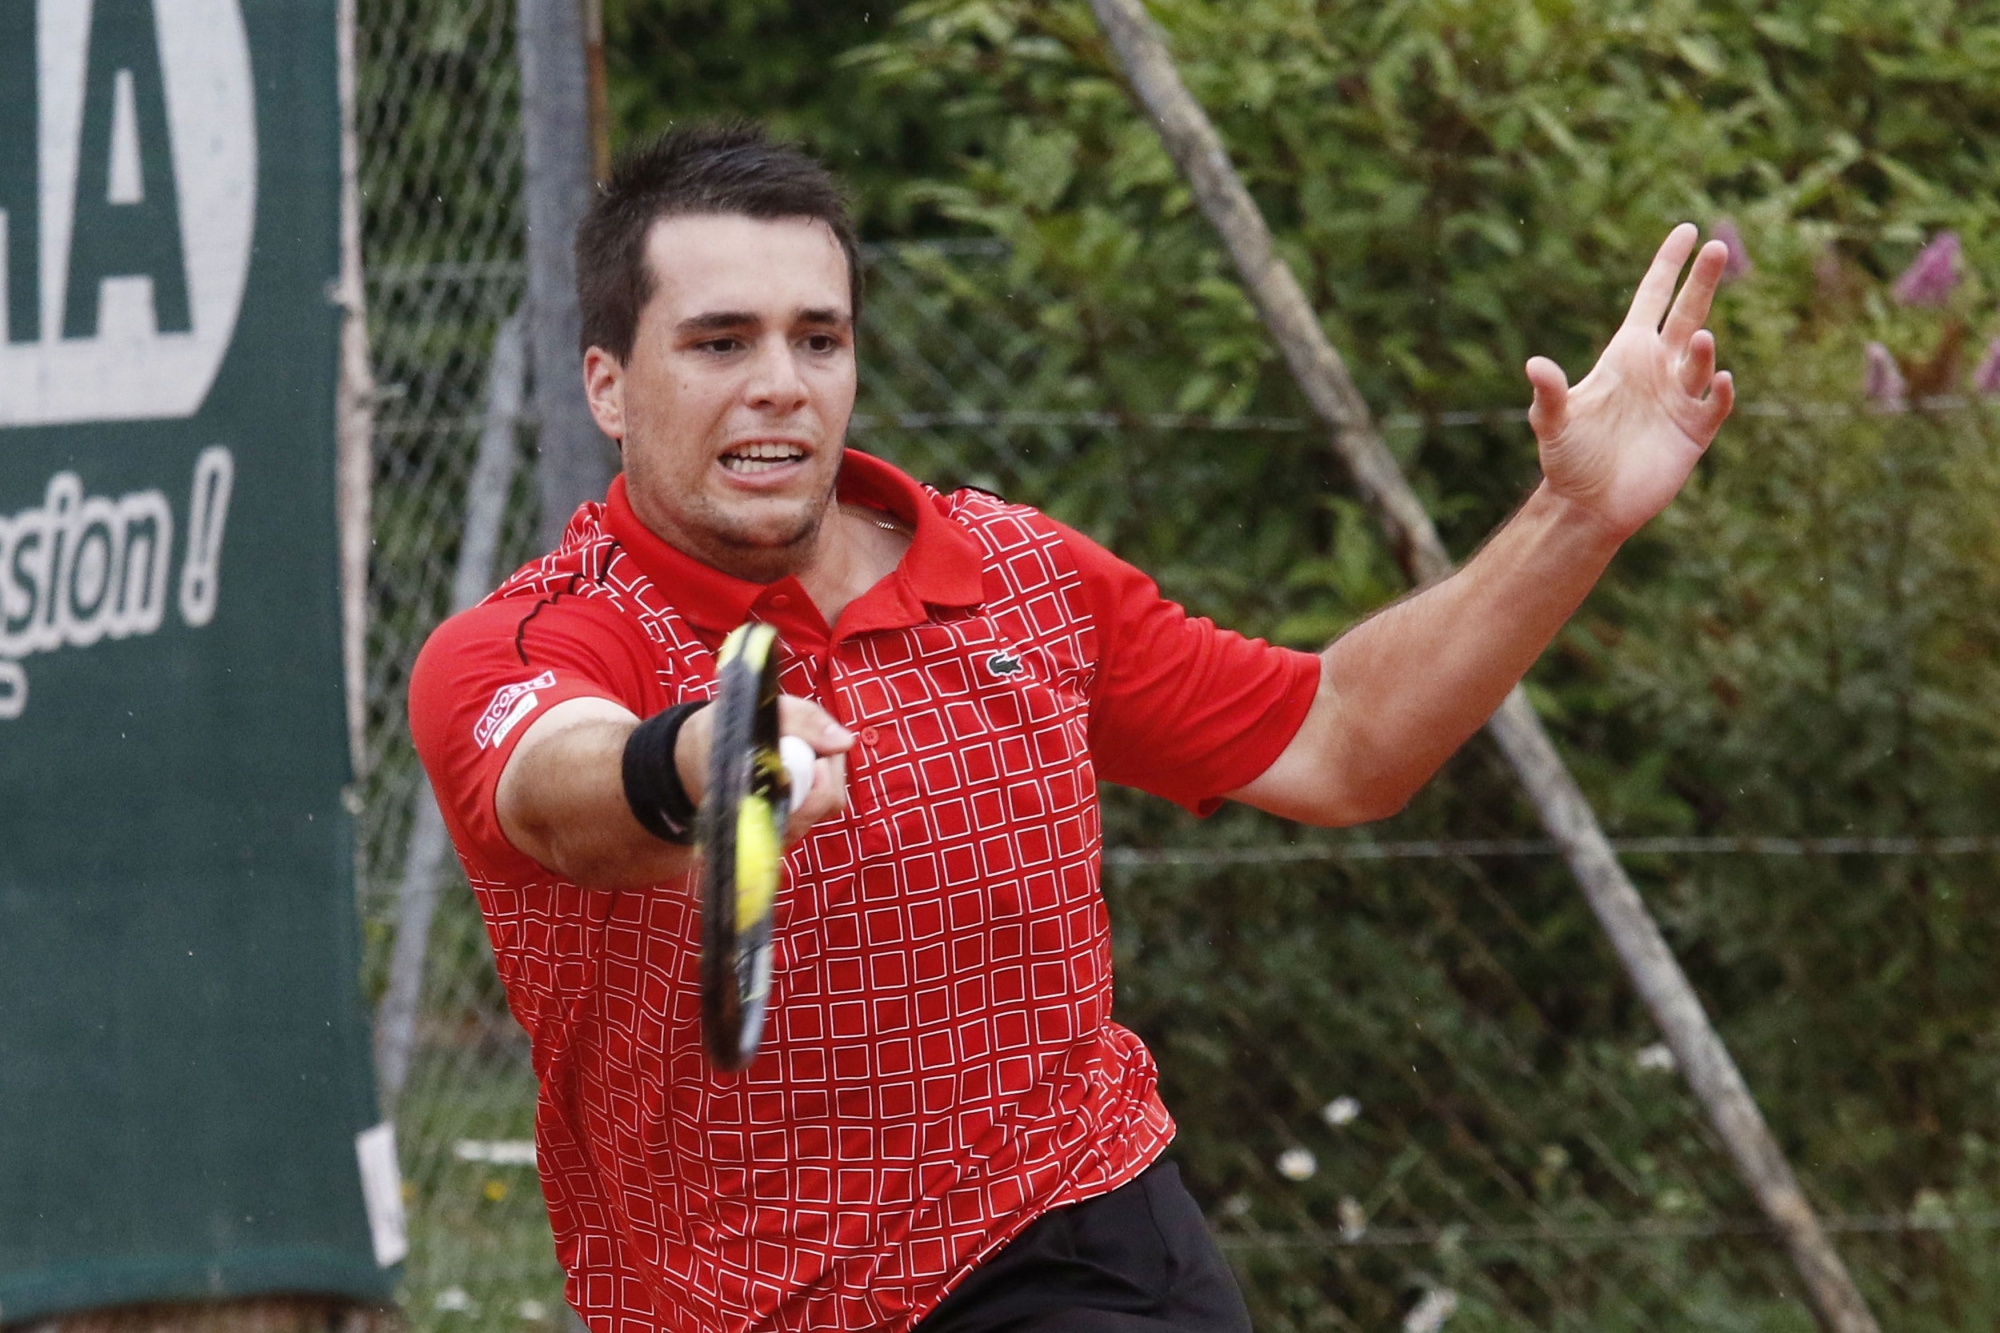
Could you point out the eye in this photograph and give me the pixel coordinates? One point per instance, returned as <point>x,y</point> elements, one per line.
<point>719,346</point>
<point>822,343</point>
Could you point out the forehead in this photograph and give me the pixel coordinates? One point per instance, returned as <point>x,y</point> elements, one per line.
<point>707,262</point>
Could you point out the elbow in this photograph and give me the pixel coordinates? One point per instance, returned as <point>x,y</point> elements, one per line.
<point>590,865</point>
<point>1366,807</point>
<point>1337,778</point>
<point>1377,778</point>
<point>1331,807</point>
<point>1381,806</point>
<point>1352,797</point>
<point>581,861</point>
<point>580,868</point>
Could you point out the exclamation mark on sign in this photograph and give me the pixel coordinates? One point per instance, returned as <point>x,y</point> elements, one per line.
<point>13,690</point>
<point>208,508</point>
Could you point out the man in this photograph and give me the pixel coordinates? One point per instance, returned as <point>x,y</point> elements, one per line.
<point>944,1128</point>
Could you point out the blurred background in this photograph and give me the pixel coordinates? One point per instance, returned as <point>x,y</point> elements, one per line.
<point>1414,1089</point>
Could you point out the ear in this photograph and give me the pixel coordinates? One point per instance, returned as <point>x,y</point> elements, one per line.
<point>604,388</point>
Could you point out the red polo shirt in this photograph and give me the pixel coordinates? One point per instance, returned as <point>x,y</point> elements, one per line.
<point>940,1066</point>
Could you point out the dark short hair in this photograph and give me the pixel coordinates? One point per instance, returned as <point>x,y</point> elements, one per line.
<point>709,168</point>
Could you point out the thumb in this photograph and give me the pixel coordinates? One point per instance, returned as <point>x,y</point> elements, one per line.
<point>1550,410</point>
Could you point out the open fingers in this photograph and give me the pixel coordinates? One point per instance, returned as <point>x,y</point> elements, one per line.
<point>1697,363</point>
<point>1701,420</point>
<point>1690,310</point>
<point>1550,410</point>
<point>1656,289</point>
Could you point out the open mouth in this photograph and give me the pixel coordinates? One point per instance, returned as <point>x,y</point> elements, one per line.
<point>763,456</point>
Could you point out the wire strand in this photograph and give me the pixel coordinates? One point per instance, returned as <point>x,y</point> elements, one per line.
<point>1604,1233</point>
<point>1135,858</point>
<point>1936,405</point>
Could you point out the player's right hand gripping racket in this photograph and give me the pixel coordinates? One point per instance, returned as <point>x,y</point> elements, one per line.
<point>754,782</point>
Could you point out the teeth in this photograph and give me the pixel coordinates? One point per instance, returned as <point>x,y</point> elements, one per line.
<point>761,457</point>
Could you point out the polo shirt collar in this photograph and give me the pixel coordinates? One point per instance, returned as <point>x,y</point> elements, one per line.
<point>941,568</point>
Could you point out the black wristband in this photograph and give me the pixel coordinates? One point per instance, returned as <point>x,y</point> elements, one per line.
<point>652,783</point>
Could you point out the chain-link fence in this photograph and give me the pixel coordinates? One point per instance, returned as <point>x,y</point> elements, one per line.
<point>1411,1085</point>
<point>438,112</point>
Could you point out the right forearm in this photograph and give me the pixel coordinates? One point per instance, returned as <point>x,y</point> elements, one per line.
<point>562,798</point>
<point>563,803</point>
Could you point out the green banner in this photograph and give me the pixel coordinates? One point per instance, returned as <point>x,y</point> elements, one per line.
<point>185,1097</point>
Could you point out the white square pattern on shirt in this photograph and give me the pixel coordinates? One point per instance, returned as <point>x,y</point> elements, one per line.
<point>939,1066</point>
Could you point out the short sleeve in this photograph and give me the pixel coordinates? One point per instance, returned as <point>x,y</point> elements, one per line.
<point>484,676</point>
<point>1181,708</point>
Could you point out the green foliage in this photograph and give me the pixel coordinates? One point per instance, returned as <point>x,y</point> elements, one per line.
<point>1457,184</point>
<point>482,1256</point>
<point>671,61</point>
<point>1820,654</point>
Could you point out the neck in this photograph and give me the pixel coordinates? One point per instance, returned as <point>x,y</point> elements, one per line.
<point>858,550</point>
<point>847,551</point>
<point>752,562</point>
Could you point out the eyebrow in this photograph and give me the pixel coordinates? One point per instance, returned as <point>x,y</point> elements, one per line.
<point>716,321</point>
<point>720,321</point>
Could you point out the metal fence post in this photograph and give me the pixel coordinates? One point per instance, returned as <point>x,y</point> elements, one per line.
<point>354,412</point>
<point>423,862</point>
<point>575,459</point>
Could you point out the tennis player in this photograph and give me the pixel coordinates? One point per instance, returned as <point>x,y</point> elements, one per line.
<point>945,1129</point>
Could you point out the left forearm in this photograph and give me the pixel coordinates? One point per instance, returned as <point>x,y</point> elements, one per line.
<point>1417,680</point>
<point>1410,685</point>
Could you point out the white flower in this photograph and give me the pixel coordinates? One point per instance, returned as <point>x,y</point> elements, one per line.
<point>1353,1221</point>
<point>1297,1164</point>
<point>1340,1111</point>
<point>1655,1057</point>
<point>1428,1315</point>
<point>455,1300</point>
<point>1930,1206</point>
<point>534,1310</point>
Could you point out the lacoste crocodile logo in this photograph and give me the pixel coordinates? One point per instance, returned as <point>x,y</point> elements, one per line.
<point>1003,664</point>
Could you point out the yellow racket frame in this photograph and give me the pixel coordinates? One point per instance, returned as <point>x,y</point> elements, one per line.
<point>741,838</point>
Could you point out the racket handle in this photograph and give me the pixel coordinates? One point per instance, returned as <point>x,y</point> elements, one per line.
<point>799,760</point>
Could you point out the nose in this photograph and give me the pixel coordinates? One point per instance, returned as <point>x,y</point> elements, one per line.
<point>775,384</point>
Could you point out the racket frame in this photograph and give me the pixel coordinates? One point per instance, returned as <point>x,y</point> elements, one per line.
<point>746,780</point>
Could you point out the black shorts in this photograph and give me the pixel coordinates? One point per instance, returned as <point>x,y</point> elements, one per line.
<point>1136,1260</point>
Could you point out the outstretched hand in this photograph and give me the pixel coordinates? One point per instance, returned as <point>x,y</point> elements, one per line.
<point>1621,442</point>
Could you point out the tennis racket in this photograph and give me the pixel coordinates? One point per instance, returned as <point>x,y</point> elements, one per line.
<point>754,782</point>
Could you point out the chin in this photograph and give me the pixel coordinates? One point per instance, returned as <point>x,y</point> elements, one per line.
<point>776,529</point>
